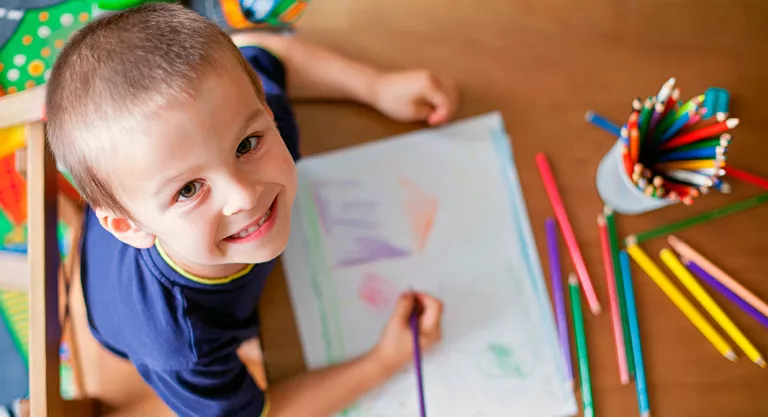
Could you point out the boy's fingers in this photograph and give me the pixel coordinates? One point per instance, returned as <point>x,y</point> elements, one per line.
<point>404,306</point>
<point>442,97</point>
<point>432,312</point>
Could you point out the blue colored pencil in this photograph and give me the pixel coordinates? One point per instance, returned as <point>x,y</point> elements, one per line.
<point>417,360</point>
<point>678,124</point>
<point>634,332</point>
<point>704,153</point>
<point>603,123</point>
<point>558,295</point>
<point>722,289</point>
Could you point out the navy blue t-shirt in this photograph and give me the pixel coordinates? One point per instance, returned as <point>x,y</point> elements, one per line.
<point>182,333</point>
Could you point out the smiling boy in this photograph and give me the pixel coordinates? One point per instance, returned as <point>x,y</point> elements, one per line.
<point>183,146</point>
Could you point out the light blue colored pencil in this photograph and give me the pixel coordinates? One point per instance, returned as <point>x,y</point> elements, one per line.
<point>634,332</point>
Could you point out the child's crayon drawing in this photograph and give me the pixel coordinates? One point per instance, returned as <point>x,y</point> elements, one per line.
<point>366,228</point>
<point>382,218</point>
<point>377,292</point>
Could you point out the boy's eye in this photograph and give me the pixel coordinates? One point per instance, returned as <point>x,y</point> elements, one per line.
<point>247,145</point>
<point>189,190</point>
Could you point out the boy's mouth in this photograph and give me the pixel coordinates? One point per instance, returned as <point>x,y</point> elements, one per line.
<point>258,228</point>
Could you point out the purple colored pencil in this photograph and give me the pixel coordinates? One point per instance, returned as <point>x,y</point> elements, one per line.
<point>658,111</point>
<point>558,295</point>
<point>417,360</point>
<point>722,289</point>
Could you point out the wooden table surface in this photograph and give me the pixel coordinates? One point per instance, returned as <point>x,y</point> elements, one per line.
<point>543,64</point>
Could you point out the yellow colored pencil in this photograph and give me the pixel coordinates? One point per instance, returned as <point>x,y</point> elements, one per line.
<point>677,297</point>
<point>689,253</point>
<point>691,165</point>
<point>714,310</point>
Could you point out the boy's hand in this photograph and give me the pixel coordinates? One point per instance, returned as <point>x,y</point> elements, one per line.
<point>415,95</point>
<point>395,348</point>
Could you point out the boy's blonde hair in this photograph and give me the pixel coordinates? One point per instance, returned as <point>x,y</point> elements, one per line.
<point>115,73</point>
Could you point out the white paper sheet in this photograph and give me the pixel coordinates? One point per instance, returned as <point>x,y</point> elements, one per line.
<point>438,210</point>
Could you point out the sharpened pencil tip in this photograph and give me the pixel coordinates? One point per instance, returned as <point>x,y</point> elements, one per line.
<point>760,362</point>
<point>589,115</point>
<point>646,414</point>
<point>572,279</point>
<point>596,310</point>
<point>631,240</point>
<point>731,123</point>
<point>731,356</point>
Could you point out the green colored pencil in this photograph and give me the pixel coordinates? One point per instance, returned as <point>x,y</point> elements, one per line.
<point>710,143</point>
<point>670,117</point>
<point>692,104</point>
<point>701,218</point>
<point>581,346</point>
<point>613,237</point>
<point>645,118</point>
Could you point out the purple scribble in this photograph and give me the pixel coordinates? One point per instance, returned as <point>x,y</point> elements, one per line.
<point>321,203</point>
<point>360,205</point>
<point>370,249</point>
<point>355,223</point>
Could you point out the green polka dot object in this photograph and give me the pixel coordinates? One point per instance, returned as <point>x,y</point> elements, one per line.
<point>27,55</point>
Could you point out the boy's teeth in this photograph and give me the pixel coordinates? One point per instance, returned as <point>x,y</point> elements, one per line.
<point>252,229</point>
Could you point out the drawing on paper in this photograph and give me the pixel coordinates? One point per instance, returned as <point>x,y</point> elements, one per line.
<point>500,361</point>
<point>377,291</point>
<point>365,229</point>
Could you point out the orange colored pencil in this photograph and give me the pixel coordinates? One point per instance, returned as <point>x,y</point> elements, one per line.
<point>565,227</point>
<point>688,253</point>
<point>704,132</point>
<point>618,332</point>
<point>626,160</point>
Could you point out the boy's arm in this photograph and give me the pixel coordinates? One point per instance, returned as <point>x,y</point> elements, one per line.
<point>326,391</point>
<point>314,72</point>
<point>329,390</point>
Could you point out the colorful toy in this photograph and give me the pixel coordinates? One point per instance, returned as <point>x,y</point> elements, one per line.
<point>236,15</point>
<point>31,37</point>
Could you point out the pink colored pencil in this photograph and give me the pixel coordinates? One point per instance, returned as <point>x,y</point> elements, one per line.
<point>565,227</point>
<point>618,332</point>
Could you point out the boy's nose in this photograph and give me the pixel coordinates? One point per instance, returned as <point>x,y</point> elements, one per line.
<point>241,195</point>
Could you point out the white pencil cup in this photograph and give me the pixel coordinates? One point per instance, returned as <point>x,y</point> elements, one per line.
<point>617,189</point>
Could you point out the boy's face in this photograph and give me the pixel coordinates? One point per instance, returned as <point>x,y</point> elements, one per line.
<point>211,178</point>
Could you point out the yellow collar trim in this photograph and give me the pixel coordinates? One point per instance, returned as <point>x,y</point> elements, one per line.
<point>265,410</point>
<point>199,280</point>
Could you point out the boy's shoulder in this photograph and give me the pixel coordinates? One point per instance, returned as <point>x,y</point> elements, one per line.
<point>141,309</point>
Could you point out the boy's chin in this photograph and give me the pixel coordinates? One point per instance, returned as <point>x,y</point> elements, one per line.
<point>263,254</point>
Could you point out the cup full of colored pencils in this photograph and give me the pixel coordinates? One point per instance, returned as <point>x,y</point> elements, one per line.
<point>668,151</point>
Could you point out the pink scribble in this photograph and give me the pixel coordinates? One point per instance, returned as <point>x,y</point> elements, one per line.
<point>377,291</point>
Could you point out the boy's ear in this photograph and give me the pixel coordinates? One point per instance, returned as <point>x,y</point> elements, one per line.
<point>125,230</point>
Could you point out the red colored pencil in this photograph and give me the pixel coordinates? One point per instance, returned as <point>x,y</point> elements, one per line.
<point>699,134</point>
<point>746,177</point>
